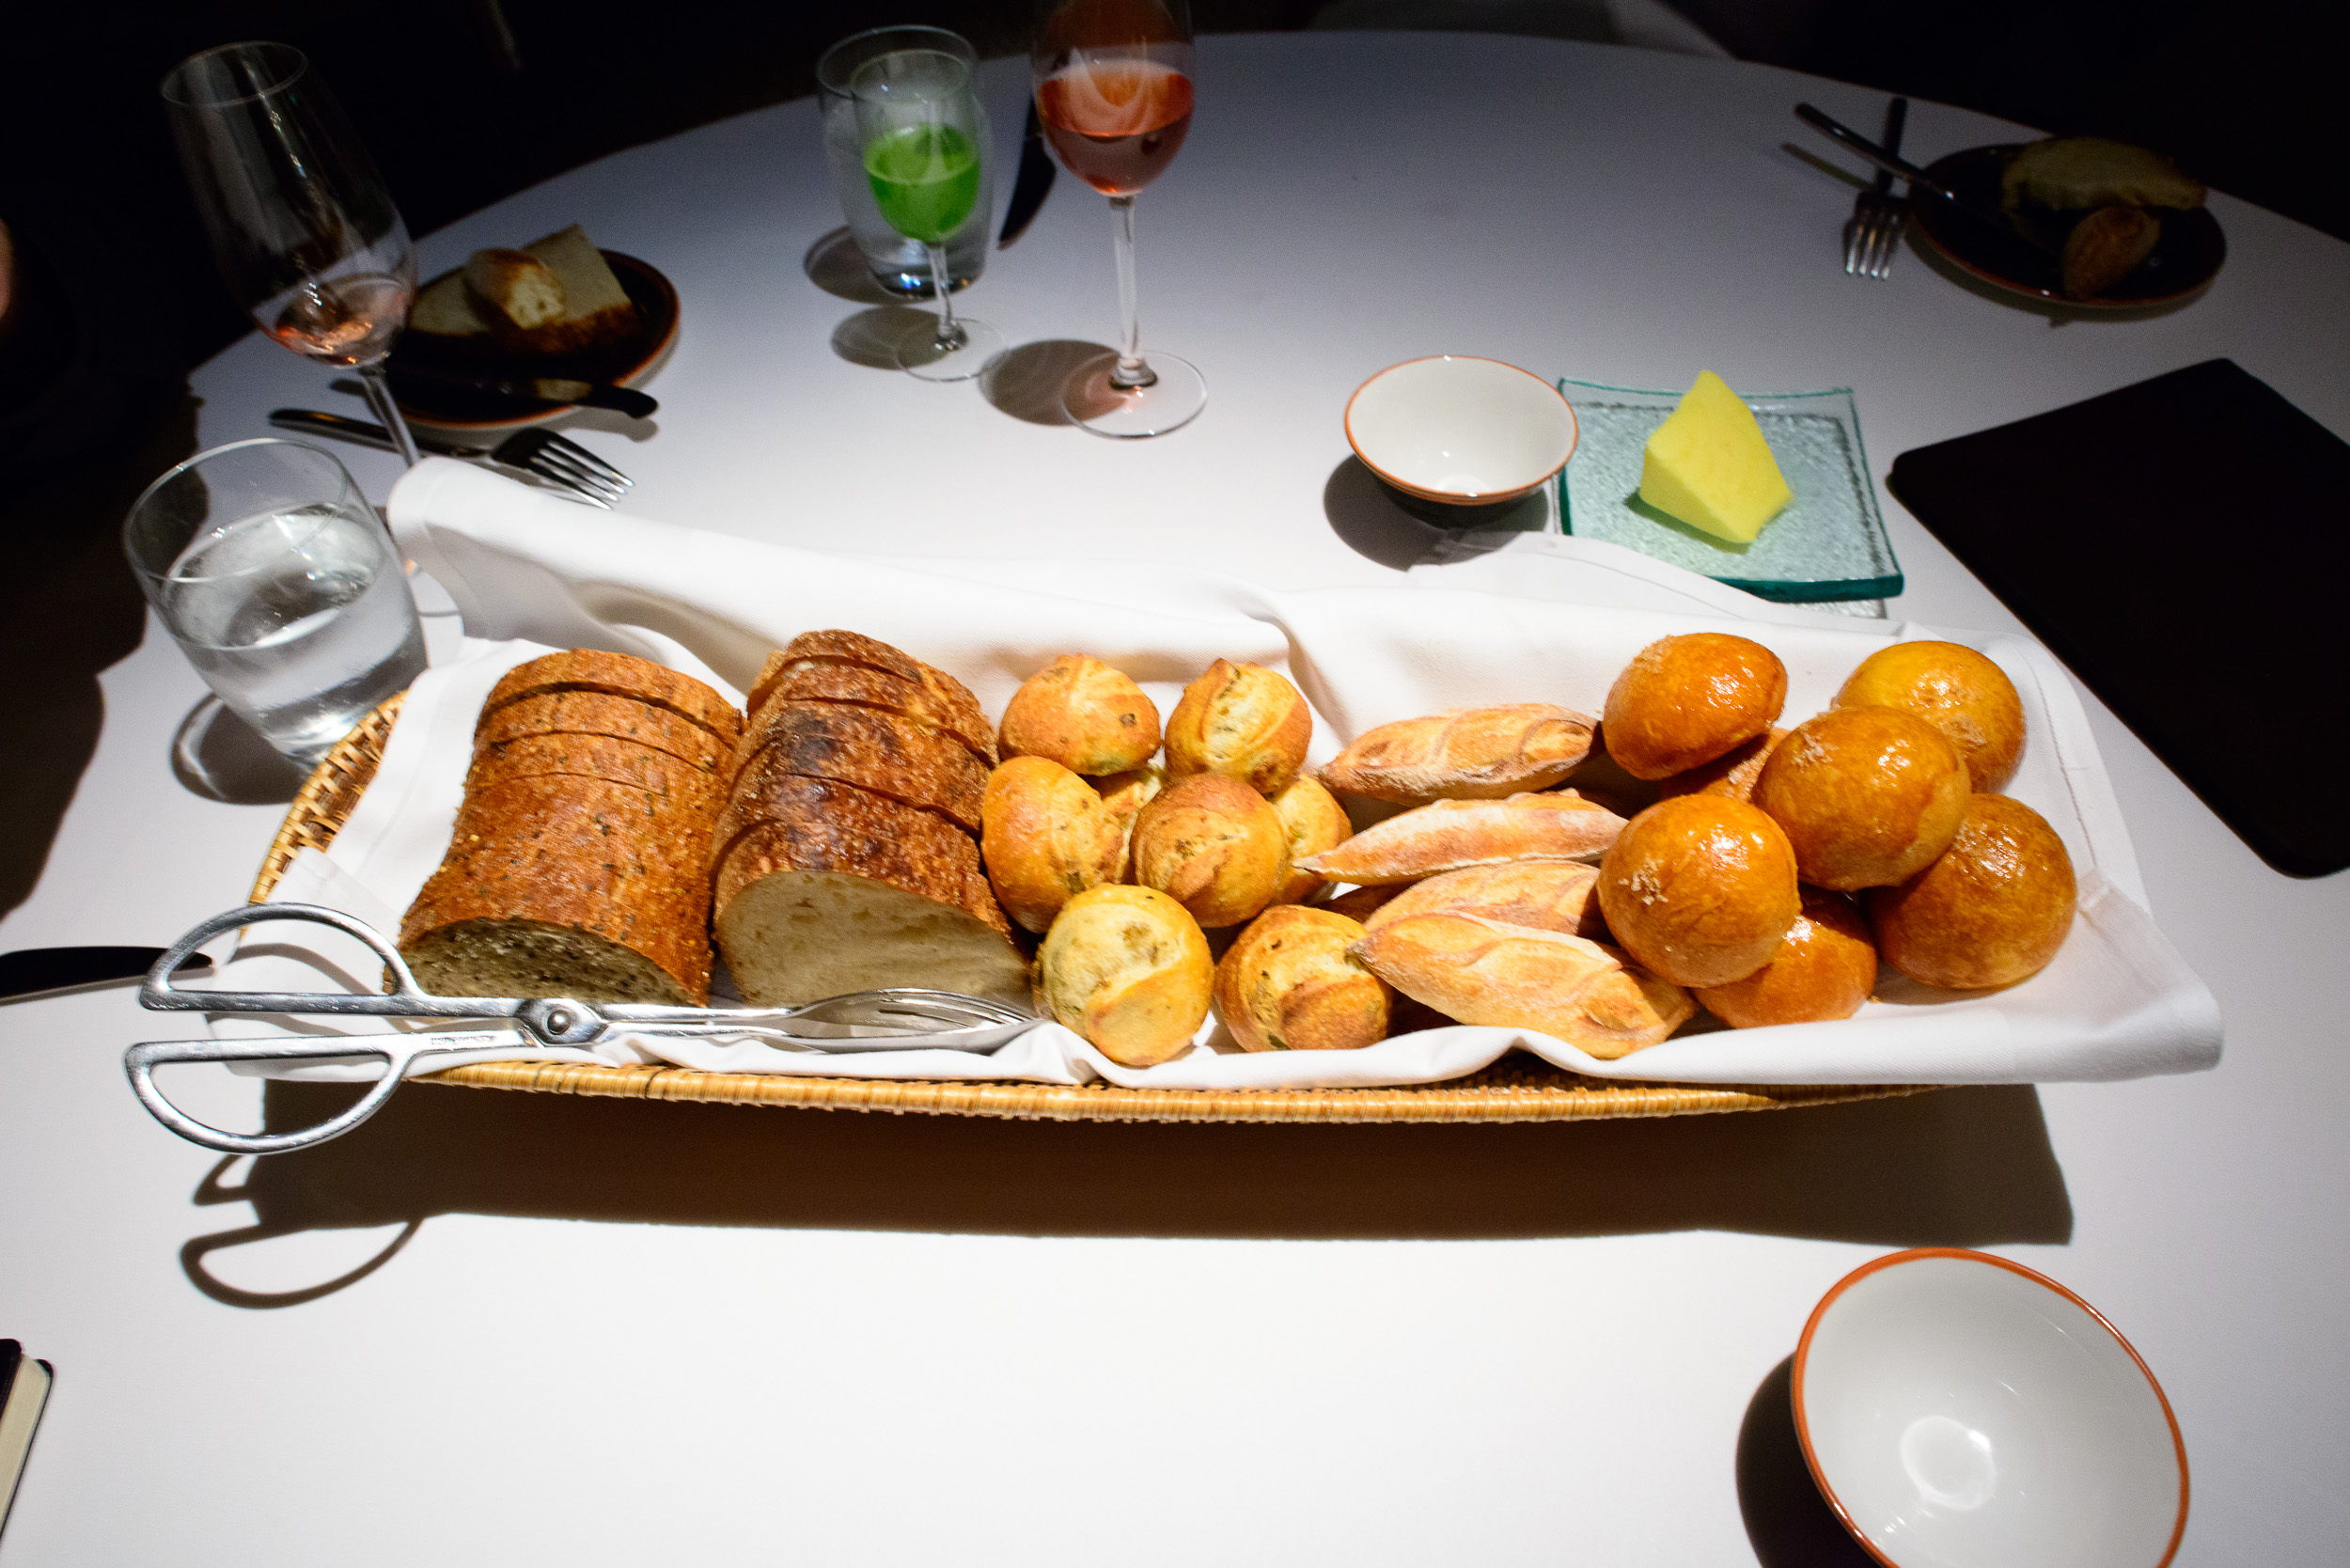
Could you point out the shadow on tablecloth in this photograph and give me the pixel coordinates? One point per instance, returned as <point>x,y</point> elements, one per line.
<point>1962,1167</point>
<point>1789,1523</point>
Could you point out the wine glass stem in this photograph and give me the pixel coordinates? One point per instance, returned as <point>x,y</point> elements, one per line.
<point>949,335</point>
<point>1131,372</point>
<point>387,408</point>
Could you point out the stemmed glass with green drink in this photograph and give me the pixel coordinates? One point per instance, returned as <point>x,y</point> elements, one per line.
<point>923,133</point>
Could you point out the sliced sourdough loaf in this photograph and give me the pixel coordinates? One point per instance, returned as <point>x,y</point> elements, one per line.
<point>886,753</point>
<point>588,669</point>
<point>567,886</point>
<point>605,758</point>
<point>583,713</point>
<point>839,889</point>
<point>853,651</point>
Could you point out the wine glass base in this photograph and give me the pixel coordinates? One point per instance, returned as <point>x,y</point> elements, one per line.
<point>919,355</point>
<point>1130,414</point>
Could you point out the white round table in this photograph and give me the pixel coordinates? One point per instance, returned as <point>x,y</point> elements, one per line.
<point>501,1327</point>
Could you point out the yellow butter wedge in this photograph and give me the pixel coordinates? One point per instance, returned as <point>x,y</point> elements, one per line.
<point>1708,464</point>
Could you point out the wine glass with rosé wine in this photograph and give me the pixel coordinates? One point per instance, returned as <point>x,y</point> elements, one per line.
<point>303,230</point>
<point>1113,95</point>
<point>922,132</point>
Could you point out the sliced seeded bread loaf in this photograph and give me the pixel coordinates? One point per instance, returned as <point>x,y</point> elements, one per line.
<point>957,709</point>
<point>886,753</point>
<point>605,758</point>
<point>576,712</point>
<point>813,681</point>
<point>588,669</point>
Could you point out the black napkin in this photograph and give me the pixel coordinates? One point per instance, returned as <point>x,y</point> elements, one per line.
<point>2181,545</point>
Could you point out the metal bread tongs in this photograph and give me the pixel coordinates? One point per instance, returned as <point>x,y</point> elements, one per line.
<point>894,1020</point>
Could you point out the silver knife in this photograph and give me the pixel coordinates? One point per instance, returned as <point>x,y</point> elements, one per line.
<point>33,971</point>
<point>364,433</point>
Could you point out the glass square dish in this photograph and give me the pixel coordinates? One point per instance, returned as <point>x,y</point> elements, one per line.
<point>1830,544</point>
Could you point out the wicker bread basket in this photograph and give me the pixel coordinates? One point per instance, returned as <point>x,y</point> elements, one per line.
<point>1517,1088</point>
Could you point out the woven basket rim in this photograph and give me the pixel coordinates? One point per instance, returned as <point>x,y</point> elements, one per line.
<point>1517,1088</point>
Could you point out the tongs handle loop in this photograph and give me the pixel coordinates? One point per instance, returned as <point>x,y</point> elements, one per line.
<point>140,1062</point>
<point>406,999</point>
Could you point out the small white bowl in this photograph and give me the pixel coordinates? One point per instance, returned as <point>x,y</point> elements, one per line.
<point>1960,1410</point>
<point>1464,432</point>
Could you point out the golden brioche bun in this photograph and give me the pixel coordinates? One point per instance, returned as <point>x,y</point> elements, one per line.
<point>1214,845</point>
<point>1290,985</point>
<point>1730,776</point>
<point>1128,969</point>
<point>1314,820</point>
<point>1685,700</point>
<point>1825,968</point>
<point>1242,721</point>
<point>1955,689</point>
<point>1083,715</point>
<point>1700,889</point>
<point>1867,795</point>
<point>1044,835</point>
<point>1991,911</point>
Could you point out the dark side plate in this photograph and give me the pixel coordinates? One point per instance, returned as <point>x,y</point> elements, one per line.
<point>628,363</point>
<point>2186,258</point>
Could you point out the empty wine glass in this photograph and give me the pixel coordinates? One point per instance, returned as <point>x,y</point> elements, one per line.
<point>303,230</point>
<point>1113,94</point>
<point>923,136</point>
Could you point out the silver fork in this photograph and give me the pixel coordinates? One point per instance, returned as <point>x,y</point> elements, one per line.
<point>564,463</point>
<point>1877,213</point>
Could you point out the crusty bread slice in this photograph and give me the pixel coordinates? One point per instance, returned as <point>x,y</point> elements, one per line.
<point>604,758</point>
<point>589,669</point>
<point>447,313</point>
<point>855,651</point>
<point>878,751</point>
<point>584,712</point>
<point>844,890</point>
<point>595,309</point>
<point>815,681</point>
<point>567,886</point>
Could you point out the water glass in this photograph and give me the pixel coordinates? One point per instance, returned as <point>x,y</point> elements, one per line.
<point>275,577</point>
<point>898,263</point>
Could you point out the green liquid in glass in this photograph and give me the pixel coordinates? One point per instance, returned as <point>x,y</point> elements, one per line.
<point>926,180</point>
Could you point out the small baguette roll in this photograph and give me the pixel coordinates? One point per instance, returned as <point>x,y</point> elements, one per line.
<point>1214,845</point>
<point>1083,715</point>
<point>589,669</point>
<point>1046,837</point>
<point>517,285</point>
<point>1547,895</point>
<point>1127,968</point>
<point>815,681</point>
<point>595,714</point>
<point>1730,776</point>
<point>881,752</point>
<point>1958,691</point>
<point>1700,889</point>
<point>1868,796</point>
<point>1448,835</point>
<point>1242,721</point>
<point>1124,795</point>
<point>1487,972</point>
<point>1824,969</point>
<point>1313,821</point>
<point>1290,984</point>
<point>1685,700</point>
<point>1992,911</point>
<point>1467,754</point>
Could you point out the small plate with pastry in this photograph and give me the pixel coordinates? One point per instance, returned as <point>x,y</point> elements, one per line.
<point>557,309</point>
<point>2097,225</point>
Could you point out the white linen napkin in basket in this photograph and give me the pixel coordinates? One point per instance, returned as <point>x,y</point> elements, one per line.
<point>530,572</point>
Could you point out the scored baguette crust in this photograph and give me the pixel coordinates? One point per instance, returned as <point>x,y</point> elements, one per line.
<point>881,752</point>
<point>551,883</point>
<point>816,680</point>
<point>1492,973</point>
<point>1448,835</point>
<point>591,669</point>
<point>604,758</point>
<point>1465,754</point>
<point>586,713</point>
<point>1548,895</point>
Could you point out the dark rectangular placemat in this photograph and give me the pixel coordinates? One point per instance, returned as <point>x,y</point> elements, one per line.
<point>2184,544</point>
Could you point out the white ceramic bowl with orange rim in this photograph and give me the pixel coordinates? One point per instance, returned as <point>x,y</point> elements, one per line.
<point>1461,430</point>
<point>1963,1411</point>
